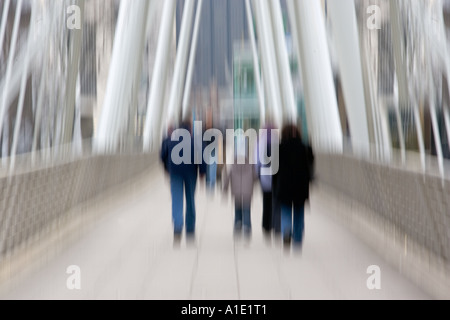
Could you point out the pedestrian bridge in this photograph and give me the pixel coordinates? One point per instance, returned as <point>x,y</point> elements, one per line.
<point>121,240</point>
<point>89,88</point>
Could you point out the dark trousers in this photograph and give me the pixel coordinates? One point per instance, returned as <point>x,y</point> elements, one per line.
<point>187,182</point>
<point>271,213</point>
<point>267,211</point>
<point>242,216</point>
<point>276,216</point>
<point>298,215</point>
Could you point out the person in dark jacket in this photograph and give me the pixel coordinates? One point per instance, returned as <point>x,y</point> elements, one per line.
<point>165,147</point>
<point>182,176</point>
<point>292,183</point>
<point>271,215</point>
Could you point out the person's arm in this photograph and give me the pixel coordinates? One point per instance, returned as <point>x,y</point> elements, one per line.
<point>165,154</point>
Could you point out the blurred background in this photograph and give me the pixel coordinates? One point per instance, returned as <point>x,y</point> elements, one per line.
<point>89,88</point>
<point>55,79</point>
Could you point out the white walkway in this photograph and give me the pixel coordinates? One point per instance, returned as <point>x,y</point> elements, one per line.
<point>129,254</point>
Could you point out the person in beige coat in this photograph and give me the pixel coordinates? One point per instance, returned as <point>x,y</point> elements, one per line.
<point>242,178</point>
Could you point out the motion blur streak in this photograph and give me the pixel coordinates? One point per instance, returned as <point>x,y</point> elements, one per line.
<point>92,94</point>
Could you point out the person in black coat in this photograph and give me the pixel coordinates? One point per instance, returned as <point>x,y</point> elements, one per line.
<point>165,149</point>
<point>291,183</point>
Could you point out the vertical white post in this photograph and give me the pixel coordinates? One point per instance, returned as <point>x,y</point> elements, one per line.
<point>447,123</point>
<point>446,60</point>
<point>402,77</point>
<point>103,139</point>
<point>192,56</point>
<point>3,105</point>
<point>262,107</point>
<point>271,80</point>
<point>317,74</point>
<point>295,39</point>
<point>40,101</point>
<point>284,69</point>
<point>127,54</point>
<point>23,86</point>
<point>176,92</point>
<point>136,62</point>
<point>429,46</point>
<point>71,80</point>
<point>159,78</point>
<point>42,84</point>
<point>345,32</point>
<point>376,110</point>
<point>3,24</point>
<point>437,135</point>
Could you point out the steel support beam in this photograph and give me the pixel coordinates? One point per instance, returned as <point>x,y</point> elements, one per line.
<point>127,54</point>
<point>284,68</point>
<point>404,94</point>
<point>71,80</point>
<point>346,41</point>
<point>159,78</point>
<point>320,94</point>
<point>3,24</point>
<point>23,86</point>
<point>192,56</point>
<point>179,77</point>
<point>256,62</point>
<point>4,105</point>
<point>271,79</point>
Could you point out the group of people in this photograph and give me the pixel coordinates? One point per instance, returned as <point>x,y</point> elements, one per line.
<point>284,193</point>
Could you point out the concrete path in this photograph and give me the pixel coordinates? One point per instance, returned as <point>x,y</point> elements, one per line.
<point>129,254</point>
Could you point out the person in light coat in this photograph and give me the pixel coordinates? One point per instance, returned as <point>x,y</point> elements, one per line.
<point>241,178</point>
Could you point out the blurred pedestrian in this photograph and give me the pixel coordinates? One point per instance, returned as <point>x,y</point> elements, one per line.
<point>271,215</point>
<point>165,148</point>
<point>242,178</point>
<point>183,177</point>
<point>292,183</point>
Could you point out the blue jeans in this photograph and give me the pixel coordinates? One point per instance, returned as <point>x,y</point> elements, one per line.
<point>188,182</point>
<point>242,217</point>
<point>299,222</point>
<point>211,175</point>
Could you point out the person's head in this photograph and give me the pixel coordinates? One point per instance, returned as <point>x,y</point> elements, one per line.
<point>172,124</point>
<point>187,125</point>
<point>170,130</point>
<point>290,132</point>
